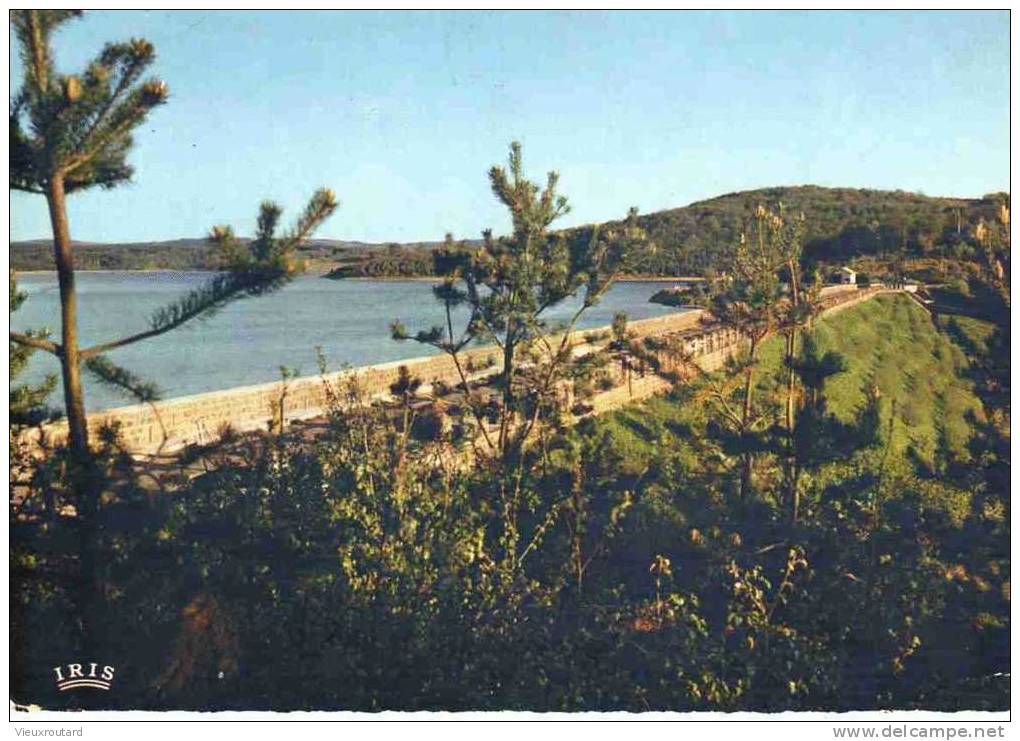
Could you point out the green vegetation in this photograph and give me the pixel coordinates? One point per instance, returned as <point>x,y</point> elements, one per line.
<point>670,297</point>
<point>70,133</point>
<point>894,347</point>
<point>27,403</point>
<point>507,285</point>
<point>614,565</point>
<point>395,260</point>
<point>347,258</point>
<point>889,343</point>
<point>844,225</point>
<point>822,524</point>
<point>181,254</point>
<point>641,581</point>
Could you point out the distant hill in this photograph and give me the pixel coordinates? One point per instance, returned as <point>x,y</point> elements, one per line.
<point>842,223</point>
<point>194,254</point>
<point>177,254</point>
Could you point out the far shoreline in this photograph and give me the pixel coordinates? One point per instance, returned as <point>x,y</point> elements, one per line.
<point>436,279</point>
<point>362,278</point>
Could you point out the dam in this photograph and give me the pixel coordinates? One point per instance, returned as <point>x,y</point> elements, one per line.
<point>170,425</point>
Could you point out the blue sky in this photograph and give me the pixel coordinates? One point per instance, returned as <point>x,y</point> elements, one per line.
<point>403,113</point>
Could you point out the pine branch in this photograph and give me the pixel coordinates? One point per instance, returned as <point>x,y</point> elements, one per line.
<point>321,206</point>
<point>35,342</point>
<point>247,277</point>
<point>202,301</point>
<point>107,372</point>
<point>124,117</point>
<point>130,60</point>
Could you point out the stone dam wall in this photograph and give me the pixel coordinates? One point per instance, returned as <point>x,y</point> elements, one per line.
<point>169,425</point>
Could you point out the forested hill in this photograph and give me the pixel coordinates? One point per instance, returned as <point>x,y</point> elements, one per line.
<point>842,223</point>
<point>196,254</point>
<point>177,254</point>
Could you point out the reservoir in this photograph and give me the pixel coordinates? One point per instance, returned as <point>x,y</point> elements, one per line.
<point>248,341</point>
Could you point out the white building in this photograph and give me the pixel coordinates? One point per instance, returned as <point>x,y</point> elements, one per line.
<point>845,276</point>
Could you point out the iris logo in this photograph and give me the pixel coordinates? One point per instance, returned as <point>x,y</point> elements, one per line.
<point>73,676</point>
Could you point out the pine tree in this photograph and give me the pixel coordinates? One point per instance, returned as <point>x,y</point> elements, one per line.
<point>73,132</point>
<point>507,285</point>
<point>69,133</point>
<point>994,239</point>
<point>748,298</point>
<point>796,313</point>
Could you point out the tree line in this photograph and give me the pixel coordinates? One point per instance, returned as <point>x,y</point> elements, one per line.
<point>843,225</point>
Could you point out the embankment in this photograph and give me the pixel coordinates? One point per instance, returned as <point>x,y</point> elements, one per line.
<point>169,425</point>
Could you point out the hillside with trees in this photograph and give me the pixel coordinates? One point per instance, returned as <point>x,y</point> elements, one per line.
<point>842,224</point>
<point>191,254</point>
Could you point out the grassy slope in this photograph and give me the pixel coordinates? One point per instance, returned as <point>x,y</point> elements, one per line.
<point>889,342</point>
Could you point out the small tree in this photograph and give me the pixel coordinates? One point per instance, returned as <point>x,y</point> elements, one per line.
<point>71,133</point>
<point>507,285</point>
<point>796,314</point>
<point>748,299</point>
<point>994,238</point>
<point>624,350</point>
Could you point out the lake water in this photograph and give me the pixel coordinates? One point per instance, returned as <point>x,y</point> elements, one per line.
<point>248,341</point>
